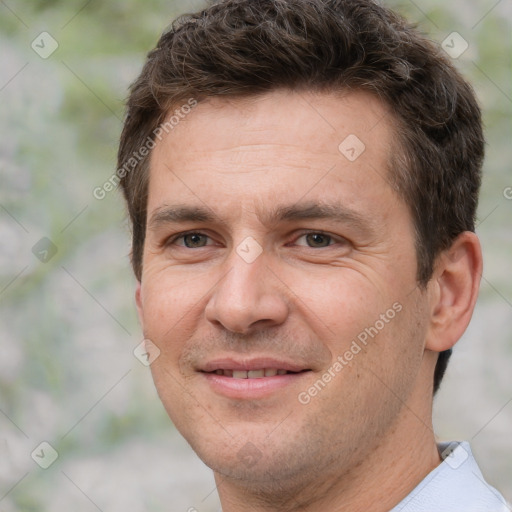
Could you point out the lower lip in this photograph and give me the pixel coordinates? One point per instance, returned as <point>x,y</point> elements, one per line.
<point>251,388</point>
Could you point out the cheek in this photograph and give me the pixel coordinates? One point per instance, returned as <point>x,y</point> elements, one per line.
<point>341,305</point>
<point>170,307</point>
<point>368,323</point>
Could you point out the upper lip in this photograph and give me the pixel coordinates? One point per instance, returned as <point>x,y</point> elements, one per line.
<point>258,363</point>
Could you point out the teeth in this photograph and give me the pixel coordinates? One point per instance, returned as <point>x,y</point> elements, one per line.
<point>251,374</point>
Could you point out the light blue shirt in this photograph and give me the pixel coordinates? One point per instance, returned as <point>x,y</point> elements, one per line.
<point>456,485</point>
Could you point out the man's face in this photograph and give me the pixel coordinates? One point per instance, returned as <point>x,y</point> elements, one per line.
<point>290,327</point>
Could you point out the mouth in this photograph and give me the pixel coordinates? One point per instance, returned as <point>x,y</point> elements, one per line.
<point>251,379</point>
<point>254,374</point>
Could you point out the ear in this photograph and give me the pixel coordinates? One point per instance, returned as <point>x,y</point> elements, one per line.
<point>138,302</point>
<point>453,291</point>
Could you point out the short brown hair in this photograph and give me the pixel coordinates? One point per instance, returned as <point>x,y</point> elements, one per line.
<point>249,47</point>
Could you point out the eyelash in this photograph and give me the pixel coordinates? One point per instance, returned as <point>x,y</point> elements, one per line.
<point>333,238</point>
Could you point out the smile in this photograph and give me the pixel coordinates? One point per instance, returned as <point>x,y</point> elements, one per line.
<point>252,379</point>
<point>252,374</point>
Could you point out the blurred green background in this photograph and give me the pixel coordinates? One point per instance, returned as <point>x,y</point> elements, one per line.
<point>68,327</point>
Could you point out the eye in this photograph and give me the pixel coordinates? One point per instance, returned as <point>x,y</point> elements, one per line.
<point>313,239</point>
<point>316,239</point>
<point>191,240</point>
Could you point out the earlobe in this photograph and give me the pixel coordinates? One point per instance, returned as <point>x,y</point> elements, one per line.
<point>454,291</point>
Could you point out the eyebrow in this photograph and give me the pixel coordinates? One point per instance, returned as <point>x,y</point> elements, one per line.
<point>281,213</point>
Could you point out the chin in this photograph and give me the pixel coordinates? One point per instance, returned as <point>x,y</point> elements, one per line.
<point>253,459</point>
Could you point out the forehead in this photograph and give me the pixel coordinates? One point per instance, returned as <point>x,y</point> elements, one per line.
<point>268,147</point>
<point>293,116</point>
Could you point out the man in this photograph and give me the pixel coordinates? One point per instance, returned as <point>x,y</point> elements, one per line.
<point>302,179</point>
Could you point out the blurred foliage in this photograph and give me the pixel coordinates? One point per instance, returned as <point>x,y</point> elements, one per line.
<point>67,374</point>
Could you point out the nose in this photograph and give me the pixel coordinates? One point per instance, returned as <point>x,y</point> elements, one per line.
<point>249,296</point>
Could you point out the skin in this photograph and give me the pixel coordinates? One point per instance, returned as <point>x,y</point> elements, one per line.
<point>365,440</point>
